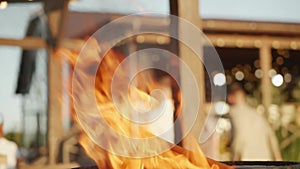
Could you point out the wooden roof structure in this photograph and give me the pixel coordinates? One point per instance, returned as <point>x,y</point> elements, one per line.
<point>217,31</point>
<point>222,33</point>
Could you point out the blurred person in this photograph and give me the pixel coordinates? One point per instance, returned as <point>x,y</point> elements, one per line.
<point>253,137</point>
<point>158,85</point>
<point>8,151</point>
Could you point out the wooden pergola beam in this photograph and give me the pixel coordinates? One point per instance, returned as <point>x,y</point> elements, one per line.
<point>253,41</point>
<point>219,40</point>
<point>25,43</point>
<point>31,43</point>
<point>250,27</point>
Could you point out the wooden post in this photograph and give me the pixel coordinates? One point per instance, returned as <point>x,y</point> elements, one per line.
<point>189,10</point>
<point>55,127</point>
<point>56,21</point>
<point>265,64</point>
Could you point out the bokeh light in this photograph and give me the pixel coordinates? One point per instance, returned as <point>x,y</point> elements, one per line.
<point>277,80</point>
<point>3,4</point>
<point>258,73</point>
<point>239,75</point>
<point>288,78</point>
<point>221,108</point>
<point>219,79</point>
<point>272,72</point>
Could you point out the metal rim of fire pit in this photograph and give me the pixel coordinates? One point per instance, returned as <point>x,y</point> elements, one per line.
<point>263,164</point>
<point>249,165</point>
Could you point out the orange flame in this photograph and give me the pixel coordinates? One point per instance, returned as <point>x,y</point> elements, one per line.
<point>176,157</point>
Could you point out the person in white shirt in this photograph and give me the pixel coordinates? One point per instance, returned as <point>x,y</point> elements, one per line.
<point>8,152</point>
<point>253,137</point>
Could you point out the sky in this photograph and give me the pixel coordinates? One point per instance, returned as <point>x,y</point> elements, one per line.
<point>10,104</point>
<point>14,20</point>
<point>258,10</point>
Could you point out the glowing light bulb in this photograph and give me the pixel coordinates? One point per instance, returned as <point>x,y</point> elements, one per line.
<point>277,80</point>
<point>219,79</point>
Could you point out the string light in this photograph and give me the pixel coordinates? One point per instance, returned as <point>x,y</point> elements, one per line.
<point>140,39</point>
<point>272,73</point>
<point>258,73</point>
<point>279,60</point>
<point>288,78</point>
<point>239,75</point>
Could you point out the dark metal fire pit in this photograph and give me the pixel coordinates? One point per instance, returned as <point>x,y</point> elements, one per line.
<point>264,164</point>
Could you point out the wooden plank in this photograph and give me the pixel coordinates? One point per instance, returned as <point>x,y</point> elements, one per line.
<point>31,43</point>
<point>25,43</point>
<point>220,40</point>
<point>62,23</point>
<point>55,105</point>
<point>57,15</point>
<point>57,19</point>
<point>190,58</point>
<point>253,41</point>
<point>250,27</point>
<point>265,56</point>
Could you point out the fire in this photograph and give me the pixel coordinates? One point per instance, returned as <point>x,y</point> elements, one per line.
<point>154,153</point>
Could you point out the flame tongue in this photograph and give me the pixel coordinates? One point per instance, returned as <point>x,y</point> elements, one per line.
<point>153,153</point>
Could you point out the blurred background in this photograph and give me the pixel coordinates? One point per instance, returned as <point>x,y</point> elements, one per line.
<point>258,43</point>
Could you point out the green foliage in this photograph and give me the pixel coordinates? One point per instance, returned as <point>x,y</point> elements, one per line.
<point>15,137</point>
<point>290,152</point>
